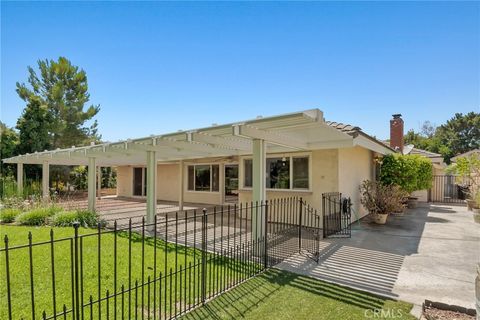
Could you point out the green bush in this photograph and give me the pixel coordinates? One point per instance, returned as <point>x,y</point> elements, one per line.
<point>8,215</point>
<point>67,218</point>
<point>409,172</point>
<point>38,216</point>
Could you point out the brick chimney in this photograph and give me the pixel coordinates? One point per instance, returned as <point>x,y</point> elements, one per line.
<point>396,132</point>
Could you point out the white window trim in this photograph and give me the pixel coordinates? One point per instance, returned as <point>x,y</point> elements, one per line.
<point>211,178</point>
<point>241,171</point>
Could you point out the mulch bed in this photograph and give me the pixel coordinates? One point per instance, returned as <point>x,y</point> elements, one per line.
<point>431,313</point>
<point>442,311</point>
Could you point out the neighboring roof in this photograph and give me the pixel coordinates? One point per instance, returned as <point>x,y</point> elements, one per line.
<point>425,153</point>
<point>298,131</point>
<point>466,154</point>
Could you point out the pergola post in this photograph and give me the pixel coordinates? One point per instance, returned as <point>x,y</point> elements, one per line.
<point>180,185</point>
<point>221,184</point>
<point>46,180</point>
<point>258,185</point>
<point>20,179</point>
<point>99,182</point>
<point>92,183</point>
<point>151,186</point>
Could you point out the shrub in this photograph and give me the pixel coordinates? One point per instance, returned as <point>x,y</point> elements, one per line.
<point>38,216</point>
<point>409,172</point>
<point>67,218</point>
<point>8,215</point>
<point>379,198</point>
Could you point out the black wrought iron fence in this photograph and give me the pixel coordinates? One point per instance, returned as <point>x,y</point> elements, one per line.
<point>337,217</point>
<point>157,270</point>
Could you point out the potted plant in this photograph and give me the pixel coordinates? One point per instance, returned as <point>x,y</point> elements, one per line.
<point>380,200</point>
<point>409,172</point>
<point>476,204</point>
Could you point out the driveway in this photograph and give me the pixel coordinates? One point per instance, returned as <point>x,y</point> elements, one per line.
<point>430,252</point>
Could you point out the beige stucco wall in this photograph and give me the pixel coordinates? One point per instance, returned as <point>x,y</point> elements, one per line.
<point>331,170</point>
<point>354,165</point>
<point>324,178</point>
<point>168,180</point>
<point>124,181</point>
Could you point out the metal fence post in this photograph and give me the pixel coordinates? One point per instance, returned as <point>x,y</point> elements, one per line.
<point>265,235</point>
<point>204,256</point>
<point>300,225</point>
<point>76,225</point>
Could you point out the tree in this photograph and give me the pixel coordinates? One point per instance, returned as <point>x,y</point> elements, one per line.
<point>63,89</point>
<point>34,127</point>
<point>8,146</point>
<point>460,134</point>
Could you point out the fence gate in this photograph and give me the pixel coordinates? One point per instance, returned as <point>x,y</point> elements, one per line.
<point>337,215</point>
<point>448,189</point>
<point>309,231</point>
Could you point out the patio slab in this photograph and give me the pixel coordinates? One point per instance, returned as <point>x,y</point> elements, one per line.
<point>429,253</point>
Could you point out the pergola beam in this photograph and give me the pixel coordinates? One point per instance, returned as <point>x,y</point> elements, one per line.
<point>243,130</point>
<point>216,141</point>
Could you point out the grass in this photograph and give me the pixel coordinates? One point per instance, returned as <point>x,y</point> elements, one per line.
<point>9,215</point>
<point>280,295</point>
<point>168,255</point>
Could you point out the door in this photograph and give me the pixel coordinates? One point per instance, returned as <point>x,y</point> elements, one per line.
<point>139,181</point>
<point>231,183</point>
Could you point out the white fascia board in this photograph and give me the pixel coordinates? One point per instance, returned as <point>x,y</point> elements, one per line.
<point>371,145</point>
<point>243,130</point>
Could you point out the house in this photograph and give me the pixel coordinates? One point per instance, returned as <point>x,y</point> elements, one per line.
<point>297,154</point>
<point>466,154</point>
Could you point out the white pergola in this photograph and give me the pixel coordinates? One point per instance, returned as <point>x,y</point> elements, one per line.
<point>305,130</point>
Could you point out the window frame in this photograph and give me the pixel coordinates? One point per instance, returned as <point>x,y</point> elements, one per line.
<point>188,165</point>
<point>290,156</point>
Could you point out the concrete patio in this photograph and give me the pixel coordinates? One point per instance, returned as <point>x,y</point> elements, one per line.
<point>429,253</point>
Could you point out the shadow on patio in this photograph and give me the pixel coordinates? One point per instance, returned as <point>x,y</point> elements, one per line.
<point>372,258</point>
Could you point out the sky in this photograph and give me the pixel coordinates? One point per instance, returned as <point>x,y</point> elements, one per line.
<point>160,67</point>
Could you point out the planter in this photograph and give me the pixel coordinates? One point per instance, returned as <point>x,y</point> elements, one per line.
<point>412,202</point>
<point>476,210</point>
<point>399,213</point>
<point>470,204</point>
<point>379,218</point>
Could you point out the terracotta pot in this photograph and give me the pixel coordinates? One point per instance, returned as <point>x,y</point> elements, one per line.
<point>380,218</point>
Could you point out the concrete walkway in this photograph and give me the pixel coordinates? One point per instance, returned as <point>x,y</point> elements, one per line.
<point>429,253</point>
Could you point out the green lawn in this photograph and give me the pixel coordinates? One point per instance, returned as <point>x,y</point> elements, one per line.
<point>280,295</point>
<point>20,280</point>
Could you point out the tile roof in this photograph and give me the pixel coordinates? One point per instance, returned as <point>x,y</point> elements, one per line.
<point>347,128</point>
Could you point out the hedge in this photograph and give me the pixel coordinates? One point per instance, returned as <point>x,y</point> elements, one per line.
<point>409,172</point>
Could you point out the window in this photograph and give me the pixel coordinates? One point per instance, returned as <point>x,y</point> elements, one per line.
<point>300,173</point>
<point>203,177</point>
<point>247,169</point>
<point>139,181</point>
<point>281,173</point>
<point>278,173</point>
